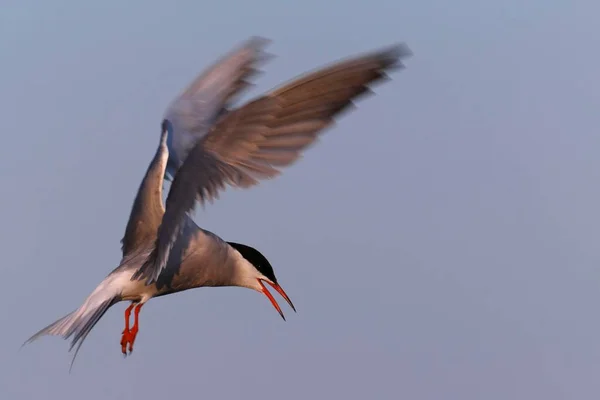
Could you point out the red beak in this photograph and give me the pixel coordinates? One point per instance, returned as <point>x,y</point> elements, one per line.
<point>272,299</point>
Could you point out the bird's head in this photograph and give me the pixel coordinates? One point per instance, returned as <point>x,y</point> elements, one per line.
<point>265,273</point>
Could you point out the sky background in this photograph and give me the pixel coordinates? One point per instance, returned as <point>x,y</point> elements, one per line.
<point>441,242</point>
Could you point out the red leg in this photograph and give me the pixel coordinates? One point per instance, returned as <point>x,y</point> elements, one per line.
<point>135,329</point>
<point>126,332</point>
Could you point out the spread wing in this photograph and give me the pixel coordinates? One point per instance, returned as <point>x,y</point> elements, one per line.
<point>147,210</point>
<point>253,142</point>
<point>210,95</point>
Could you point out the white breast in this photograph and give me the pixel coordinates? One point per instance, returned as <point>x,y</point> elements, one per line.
<point>135,290</point>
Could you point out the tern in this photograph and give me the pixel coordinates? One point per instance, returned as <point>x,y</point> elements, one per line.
<point>206,145</point>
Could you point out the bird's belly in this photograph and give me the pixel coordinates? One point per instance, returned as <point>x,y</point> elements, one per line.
<point>136,290</point>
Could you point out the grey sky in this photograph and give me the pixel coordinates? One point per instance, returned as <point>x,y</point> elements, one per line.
<point>440,243</point>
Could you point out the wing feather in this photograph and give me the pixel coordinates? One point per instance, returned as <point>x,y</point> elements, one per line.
<point>209,97</point>
<point>147,210</point>
<point>253,142</point>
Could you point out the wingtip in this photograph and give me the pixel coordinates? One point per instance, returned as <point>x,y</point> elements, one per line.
<point>401,50</point>
<point>257,42</point>
<point>392,56</point>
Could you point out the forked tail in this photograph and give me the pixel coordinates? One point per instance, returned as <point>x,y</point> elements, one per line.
<point>80,322</point>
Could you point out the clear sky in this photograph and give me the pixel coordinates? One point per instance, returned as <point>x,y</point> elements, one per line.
<point>440,243</point>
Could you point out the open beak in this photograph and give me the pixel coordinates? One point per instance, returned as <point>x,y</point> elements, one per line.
<point>272,299</point>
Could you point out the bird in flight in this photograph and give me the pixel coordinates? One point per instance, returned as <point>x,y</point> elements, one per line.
<point>206,144</point>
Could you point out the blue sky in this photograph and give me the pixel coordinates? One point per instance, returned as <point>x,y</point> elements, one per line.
<point>441,242</point>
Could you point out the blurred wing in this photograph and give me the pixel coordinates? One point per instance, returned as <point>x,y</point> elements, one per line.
<point>147,210</point>
<point>194,112</point>
<point>253,142</point>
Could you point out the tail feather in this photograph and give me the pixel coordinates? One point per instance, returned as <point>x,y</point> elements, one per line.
<point>58,328</point>
<point>80,322</point>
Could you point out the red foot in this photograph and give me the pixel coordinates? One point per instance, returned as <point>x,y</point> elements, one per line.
<point>128,337</point>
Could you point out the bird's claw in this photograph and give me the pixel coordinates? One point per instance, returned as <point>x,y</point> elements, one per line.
<point>127,341</point>
<point>128,336</point>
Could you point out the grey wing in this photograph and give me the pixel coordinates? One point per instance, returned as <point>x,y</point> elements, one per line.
<point>147,210</point>
<point>253,142</point>
<point>192,114</point>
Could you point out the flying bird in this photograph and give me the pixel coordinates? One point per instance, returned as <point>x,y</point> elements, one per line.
<point>206,145</point>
